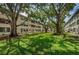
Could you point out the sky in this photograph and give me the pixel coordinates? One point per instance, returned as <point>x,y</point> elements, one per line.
<point>24,14</point>
<point>72,12</point>
<point>75,9</point>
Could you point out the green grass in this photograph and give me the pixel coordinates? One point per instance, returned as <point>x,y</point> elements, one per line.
<point>41,44</point>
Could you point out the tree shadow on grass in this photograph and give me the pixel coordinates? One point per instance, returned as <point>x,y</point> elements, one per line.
<point>73,39</point>
<point>40,45</point>
<point>37,45</point>
<point>14,49</point>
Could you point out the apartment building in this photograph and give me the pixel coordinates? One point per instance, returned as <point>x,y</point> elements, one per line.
<point>29,26</point>
<point>73,24</point>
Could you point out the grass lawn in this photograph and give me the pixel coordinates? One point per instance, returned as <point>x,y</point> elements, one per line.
<point>41,44</point>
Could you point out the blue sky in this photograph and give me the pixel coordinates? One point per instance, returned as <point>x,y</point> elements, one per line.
<point>73,11</point>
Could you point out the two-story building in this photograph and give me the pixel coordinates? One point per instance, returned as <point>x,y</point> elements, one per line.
<point>28,26</point>
<point>73,24</point>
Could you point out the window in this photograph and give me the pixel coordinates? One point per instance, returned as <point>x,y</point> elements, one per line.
<point>26,25</point>
<point>26,29</point>
<point>77,21</point>
<point>32,21</point>
<point>38,26</point>
<point>8,29</point>
<point>22,30</point>
<point>2,29</point>
<point>32,25</point>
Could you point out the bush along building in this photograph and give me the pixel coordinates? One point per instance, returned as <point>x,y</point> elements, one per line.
<point>72,25</point>
<point>23,26</point>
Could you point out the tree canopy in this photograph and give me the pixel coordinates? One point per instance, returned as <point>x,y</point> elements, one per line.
<point>52,14</point>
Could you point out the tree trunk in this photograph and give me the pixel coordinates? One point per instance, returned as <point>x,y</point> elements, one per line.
<point>46,29</point>
<point>13,29</point>
<point>58,25</point>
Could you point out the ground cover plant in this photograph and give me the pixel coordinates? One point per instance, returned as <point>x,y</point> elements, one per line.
<point>40,44</point>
